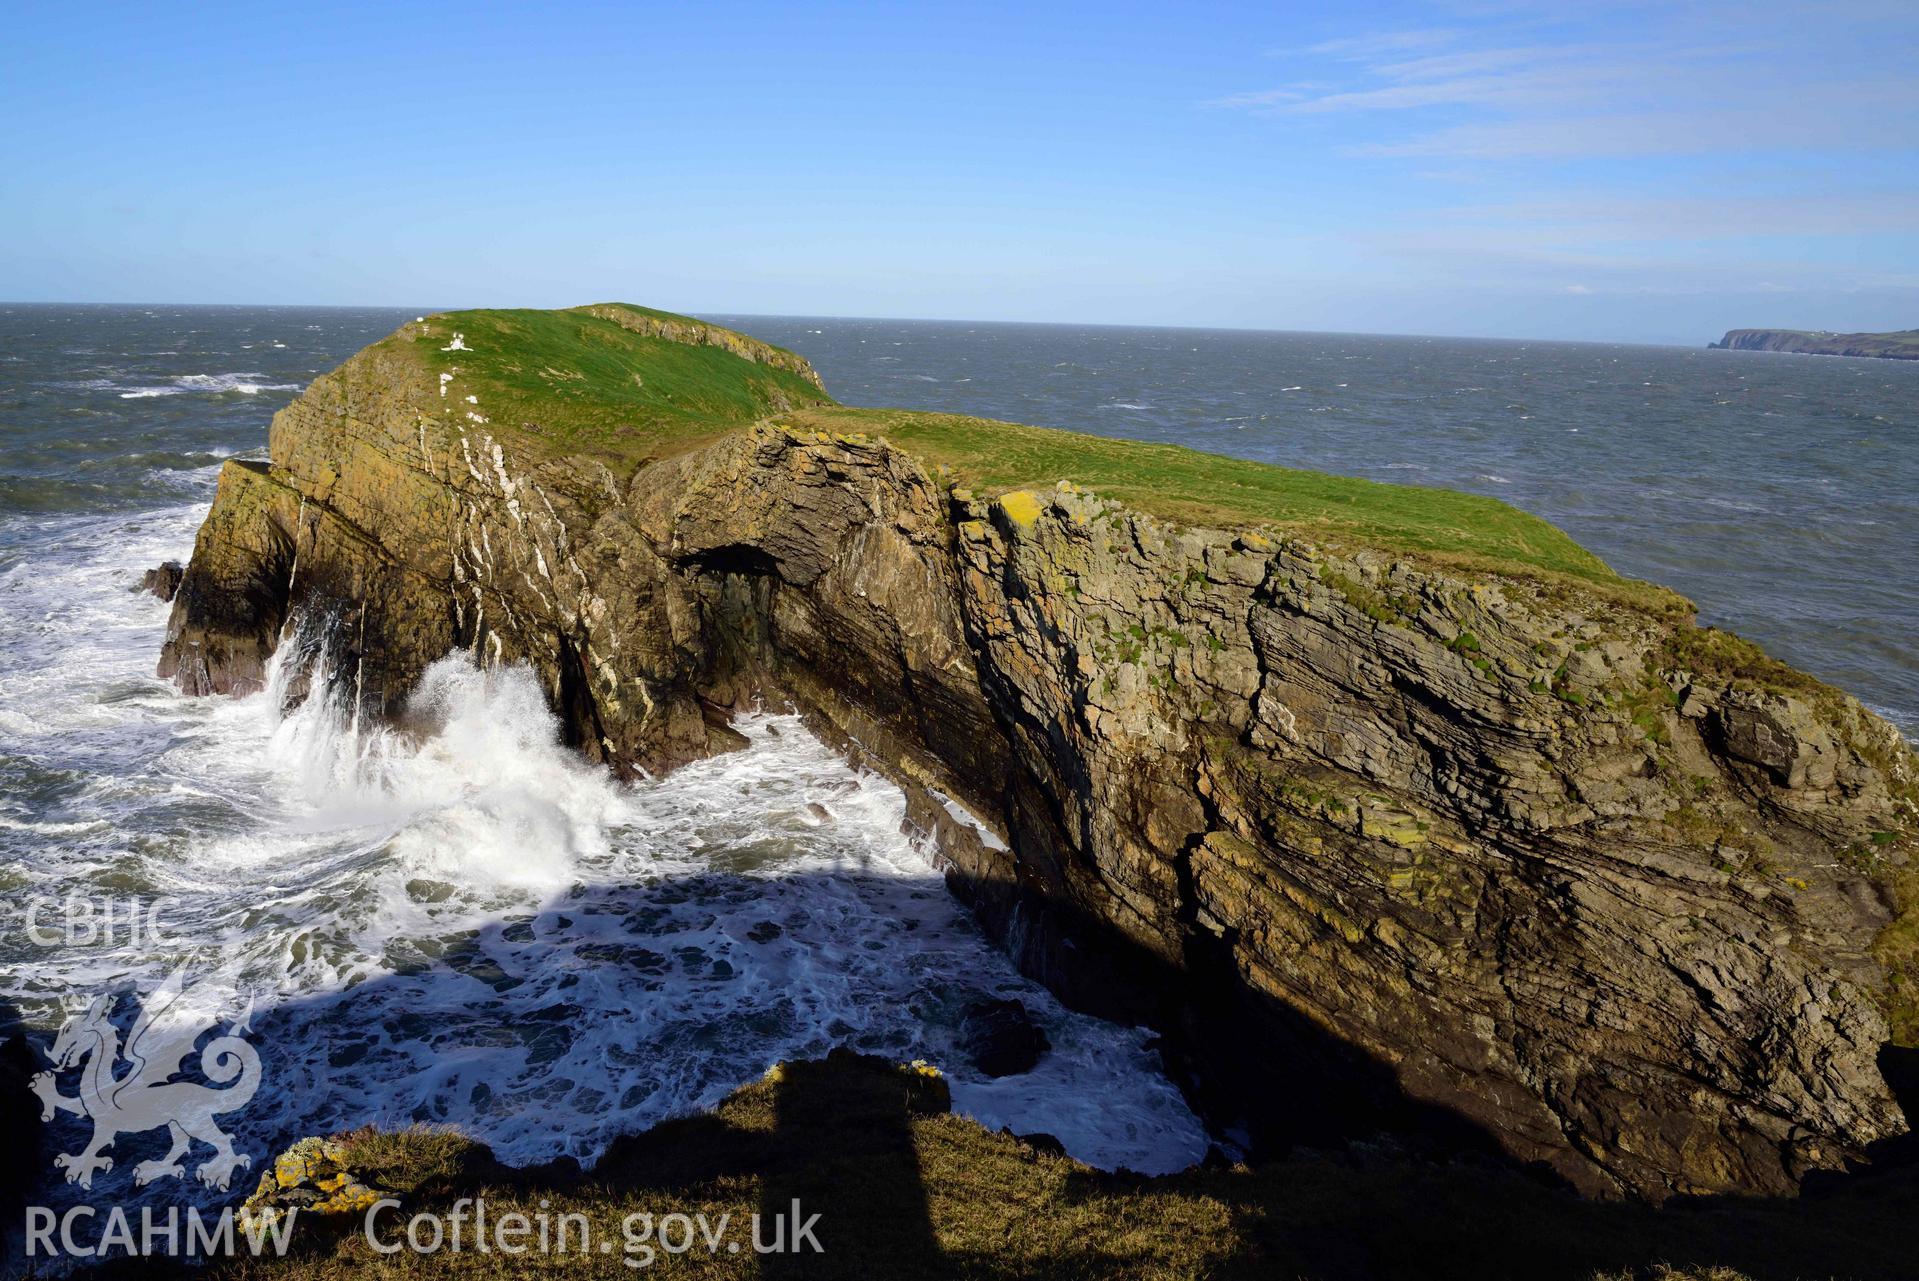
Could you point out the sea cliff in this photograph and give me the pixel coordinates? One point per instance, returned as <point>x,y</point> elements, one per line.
<point>1393,808</point>
<point>1900,345</point>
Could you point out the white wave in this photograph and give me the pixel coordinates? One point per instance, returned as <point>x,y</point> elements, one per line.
<point>462,921</point>
<point>52,829</point>
<point>247,384</point>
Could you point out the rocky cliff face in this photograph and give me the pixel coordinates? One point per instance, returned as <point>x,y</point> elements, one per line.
<point>1376,843</point>
<point>1902,345</point>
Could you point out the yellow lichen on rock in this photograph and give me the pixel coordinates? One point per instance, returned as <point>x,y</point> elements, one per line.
<point>312,1175</point>
<point>1021,507</point>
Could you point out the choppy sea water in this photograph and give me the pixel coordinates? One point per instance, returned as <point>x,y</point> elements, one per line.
<point>474,926</point>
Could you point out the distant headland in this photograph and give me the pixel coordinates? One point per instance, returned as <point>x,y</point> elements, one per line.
<point>1902,345</point>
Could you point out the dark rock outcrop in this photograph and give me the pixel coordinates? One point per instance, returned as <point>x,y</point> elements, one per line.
<point>20,1114</point>
<point>1001,1038</point>
<point>1374,842</point>
<point>163,580</point>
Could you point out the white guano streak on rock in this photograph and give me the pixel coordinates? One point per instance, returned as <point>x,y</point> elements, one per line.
<point>507,487</point>
<point>471,470</point>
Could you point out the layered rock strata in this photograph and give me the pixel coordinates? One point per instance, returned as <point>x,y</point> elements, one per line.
<point>1377,843</point>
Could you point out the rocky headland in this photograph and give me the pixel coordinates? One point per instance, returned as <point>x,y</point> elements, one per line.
<point>1392,808</point>
<point>1900,345</point>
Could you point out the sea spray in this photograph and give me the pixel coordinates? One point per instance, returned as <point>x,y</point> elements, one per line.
<point>451,917</point>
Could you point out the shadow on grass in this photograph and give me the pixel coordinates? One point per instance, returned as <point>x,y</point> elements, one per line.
<point>905,1192</point>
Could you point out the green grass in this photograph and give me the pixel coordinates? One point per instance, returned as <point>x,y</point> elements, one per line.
<point>1195,488</point>
<point>578,381</point>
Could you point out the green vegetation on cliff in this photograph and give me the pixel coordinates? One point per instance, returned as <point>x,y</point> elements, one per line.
<point>1209,489</point>
<point>629,382</point>
<point>610,378</point>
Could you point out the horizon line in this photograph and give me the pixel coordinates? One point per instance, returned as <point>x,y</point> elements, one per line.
<point>916,320</point>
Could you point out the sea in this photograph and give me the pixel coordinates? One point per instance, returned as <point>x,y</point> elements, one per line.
<point>472,927</point>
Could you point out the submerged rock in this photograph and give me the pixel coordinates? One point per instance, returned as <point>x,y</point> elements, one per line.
<point>1001,1038</point>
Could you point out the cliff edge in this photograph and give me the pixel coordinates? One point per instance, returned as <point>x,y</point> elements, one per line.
<point>1391,807</point>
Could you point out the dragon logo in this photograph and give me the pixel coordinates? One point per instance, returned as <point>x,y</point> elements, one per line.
<point>144,1096</point>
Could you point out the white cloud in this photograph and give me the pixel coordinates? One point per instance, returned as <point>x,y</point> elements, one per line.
<point>1359,48</point>
<point>1687,80</point>
<point>1645,149</point>
<point>1471,63</point>
<point>1520,89</point>
<point>1539,260</point>
<point>1596,216</point>
<point>1260,98</point>
<point>1797,122</point>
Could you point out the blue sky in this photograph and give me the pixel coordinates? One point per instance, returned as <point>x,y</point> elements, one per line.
<point>1655,172</point>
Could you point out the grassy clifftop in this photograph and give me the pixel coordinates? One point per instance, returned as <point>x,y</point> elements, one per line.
<point>1196,488</point>
<point>608,378</point>
<point>629,383</point>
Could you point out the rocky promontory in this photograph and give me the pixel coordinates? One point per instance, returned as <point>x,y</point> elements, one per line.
<point>1900,345</point>
<point>1392,808</point>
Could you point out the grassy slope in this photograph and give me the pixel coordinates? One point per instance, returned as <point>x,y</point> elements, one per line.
<point>581,383</point>
<point>1208,489</point>
<point>902,1194</point>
